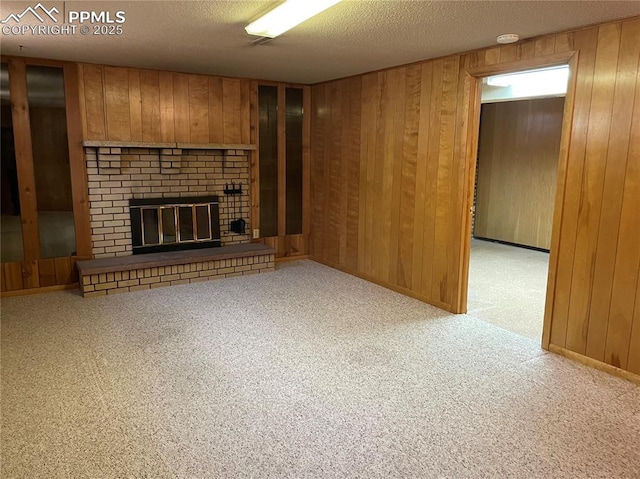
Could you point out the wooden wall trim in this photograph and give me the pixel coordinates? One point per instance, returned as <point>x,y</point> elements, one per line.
<point>44,289</point>
<point>472,103</point>
<point>79,188</point>
<point>473,87</point>
<point>282,161</point>
<point>254,163</point>
<point>306,160</point>
<point>24,158</point>
<point>561,191</point>
<point>594,363</point>
<point>519,65</point>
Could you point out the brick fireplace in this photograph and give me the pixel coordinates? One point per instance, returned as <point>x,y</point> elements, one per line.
<point>116,175</point>
<point>170,185</point>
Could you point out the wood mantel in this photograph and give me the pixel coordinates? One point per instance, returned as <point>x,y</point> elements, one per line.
<point>153,144</point>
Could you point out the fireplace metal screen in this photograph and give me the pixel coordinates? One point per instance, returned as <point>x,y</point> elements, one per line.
<point>168,224</point>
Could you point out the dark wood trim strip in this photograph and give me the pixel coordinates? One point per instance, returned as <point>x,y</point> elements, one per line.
<point>24,158</point>
<point>45,289</point>
<point>79,187</point>
<point>254,162</point>
<point>306,161</point>
<point>282,162</point>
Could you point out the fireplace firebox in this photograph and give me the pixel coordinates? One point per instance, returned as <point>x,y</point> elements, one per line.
<point>171,224</point>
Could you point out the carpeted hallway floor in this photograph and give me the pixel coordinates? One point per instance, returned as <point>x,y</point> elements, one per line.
<point>508,287</point>
<point>305,372</point>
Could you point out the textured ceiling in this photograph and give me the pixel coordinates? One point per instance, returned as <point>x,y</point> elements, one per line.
<point>352,37</point>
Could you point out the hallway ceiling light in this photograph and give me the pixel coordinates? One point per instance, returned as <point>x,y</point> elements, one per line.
<point>286,16</point>
<point>547,81</point>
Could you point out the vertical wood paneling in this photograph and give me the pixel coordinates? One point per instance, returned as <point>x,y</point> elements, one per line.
<point>93,102</point>
<point>380,126</point>
<point>116,95</point>
<point>150,105</point>
<point>634,344</point>
<point>444,214</point>
<point>517,179</point>
<point>394,150</point>
<point>245,111</point>
<point>319,107</point>
<point>429,212</point>
<point>30,275</point>
<point>411,125</point>
<point>526,49</point>
<point>367,152</point>
<point>344,154</point>
<point>216,127</point>
<point>628,250</point>
<point>508,53</point>
<point>492,56</point>
<point>351,149</point>
<point>594,308</point>
<point>167,120</point>
<point>181,107</point>
<point>199,109</point>
<point>129,104</point>
<point>135,105</point>
<point>588,218</point>
<point>564,42</point>
<point>47,272</point>
<point>545,45</point>
<point>333,179</point>
<point>617,273</point>
<point>12,276</point>
<point>64,275</point>
<point>426,76</point>
<point>585,42</point>
<point>231,111</point>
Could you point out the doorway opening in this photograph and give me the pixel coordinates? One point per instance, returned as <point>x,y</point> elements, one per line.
<point>514,189</point>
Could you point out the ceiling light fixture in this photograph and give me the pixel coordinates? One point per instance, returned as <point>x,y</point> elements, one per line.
<point>541,82</point>
<point>286,16</point>
<point>508,38</point>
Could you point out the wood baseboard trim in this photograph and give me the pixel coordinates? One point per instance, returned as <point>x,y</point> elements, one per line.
<point>286,259</point>
<point>384,284</point>
<point>45,289</point>
<point>594,363</point>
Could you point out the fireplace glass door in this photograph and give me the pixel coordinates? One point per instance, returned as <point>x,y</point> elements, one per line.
<point>174,224</point>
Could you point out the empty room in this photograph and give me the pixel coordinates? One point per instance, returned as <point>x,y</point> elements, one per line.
<point>290,239</point>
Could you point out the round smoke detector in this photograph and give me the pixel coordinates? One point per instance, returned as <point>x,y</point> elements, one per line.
<point>508,38</point>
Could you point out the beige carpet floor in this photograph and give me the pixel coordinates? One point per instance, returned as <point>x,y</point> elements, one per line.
<point>507,287</point>
<point>302,373</point>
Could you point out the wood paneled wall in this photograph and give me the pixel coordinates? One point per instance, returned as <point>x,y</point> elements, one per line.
<point>517,170</point>
<point>129,104</point>
<point>41,273</point>
<point>389,171</point>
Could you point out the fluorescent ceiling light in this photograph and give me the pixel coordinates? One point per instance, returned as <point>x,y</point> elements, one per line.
<point>547,81</point>
<point>286,16</point>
